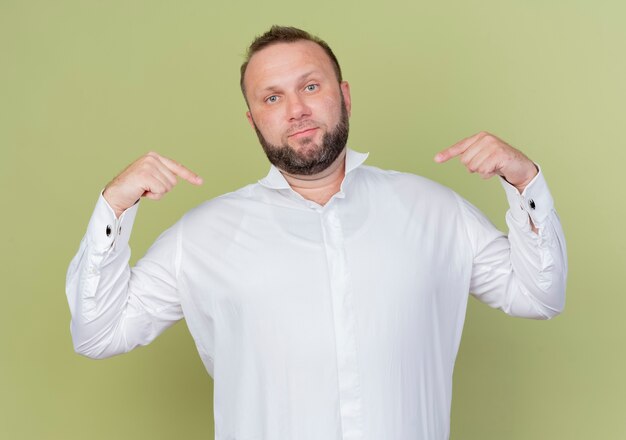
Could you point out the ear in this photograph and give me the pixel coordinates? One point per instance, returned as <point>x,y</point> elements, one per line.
<point>250,120</point>
<point>345,91</point>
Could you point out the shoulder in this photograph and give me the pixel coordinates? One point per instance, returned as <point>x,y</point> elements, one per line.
<point>225,207</point>
<point>406,186</point>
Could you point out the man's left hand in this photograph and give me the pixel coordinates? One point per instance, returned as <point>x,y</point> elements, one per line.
<point>488,156</point>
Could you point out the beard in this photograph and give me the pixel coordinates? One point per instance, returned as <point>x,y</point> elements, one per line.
<point>311,158</point>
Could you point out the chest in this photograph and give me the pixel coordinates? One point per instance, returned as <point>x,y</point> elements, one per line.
<point>287,262</point>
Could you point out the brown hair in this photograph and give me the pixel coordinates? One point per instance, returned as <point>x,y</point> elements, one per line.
<point>285,34</point>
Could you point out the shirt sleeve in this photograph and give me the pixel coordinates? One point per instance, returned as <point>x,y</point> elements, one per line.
<point>523,274</point>
<point>115,308</point>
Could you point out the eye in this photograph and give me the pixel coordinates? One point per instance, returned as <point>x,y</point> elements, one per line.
<point>312,87</point>
<point>271,99</point>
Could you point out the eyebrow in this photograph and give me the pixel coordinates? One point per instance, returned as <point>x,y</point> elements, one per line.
<point>274,88</point>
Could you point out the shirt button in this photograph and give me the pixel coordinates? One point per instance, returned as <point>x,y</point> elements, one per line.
<point>119,231</point>
<point>108,230</point>
<point>531,203</point>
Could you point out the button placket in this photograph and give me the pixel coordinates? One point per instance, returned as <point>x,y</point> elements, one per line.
<point>350,405</point>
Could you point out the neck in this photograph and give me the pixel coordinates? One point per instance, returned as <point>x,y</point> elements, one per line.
<point>320,187</point>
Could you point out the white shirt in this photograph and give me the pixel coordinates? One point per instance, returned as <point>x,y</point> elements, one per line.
<point>316,322</point>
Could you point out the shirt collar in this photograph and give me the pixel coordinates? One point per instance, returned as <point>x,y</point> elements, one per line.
<point>276,180</point>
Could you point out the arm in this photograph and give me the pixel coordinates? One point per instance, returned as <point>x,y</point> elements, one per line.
<point>115,308</point>
<point>523,275</point>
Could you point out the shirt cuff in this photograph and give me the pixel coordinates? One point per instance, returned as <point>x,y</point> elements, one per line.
<point>105,230</point>
<point>536,200</point>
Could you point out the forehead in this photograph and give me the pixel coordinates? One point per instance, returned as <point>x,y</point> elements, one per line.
<point>282,62</point>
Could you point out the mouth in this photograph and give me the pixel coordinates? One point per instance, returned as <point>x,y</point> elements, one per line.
<point>303,133</point>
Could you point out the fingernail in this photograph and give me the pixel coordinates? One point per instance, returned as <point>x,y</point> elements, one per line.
<point>438,157</point>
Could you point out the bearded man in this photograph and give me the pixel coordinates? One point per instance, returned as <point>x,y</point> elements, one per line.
<point>327,300</point>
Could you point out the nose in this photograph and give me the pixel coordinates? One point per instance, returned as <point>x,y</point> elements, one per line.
<point>297,108</point>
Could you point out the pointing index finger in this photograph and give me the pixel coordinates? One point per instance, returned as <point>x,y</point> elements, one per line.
<point>457,149</point>
<point>181,171</point>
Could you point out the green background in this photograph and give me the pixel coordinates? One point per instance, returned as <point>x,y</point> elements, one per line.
<point>88,86</point>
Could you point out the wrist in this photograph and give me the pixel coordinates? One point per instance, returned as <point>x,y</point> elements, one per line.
<point>530,175</point>
<point>106,194</point>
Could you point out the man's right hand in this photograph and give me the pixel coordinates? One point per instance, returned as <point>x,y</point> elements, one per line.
<point>151,176</point>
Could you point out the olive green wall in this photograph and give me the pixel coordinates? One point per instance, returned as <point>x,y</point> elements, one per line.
<point>88,86</point>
